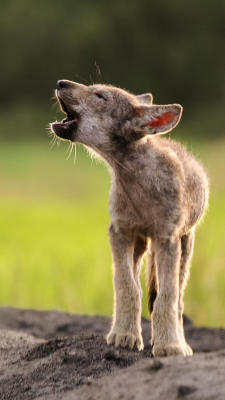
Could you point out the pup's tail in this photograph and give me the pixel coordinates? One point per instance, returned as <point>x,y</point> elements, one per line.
<point>152,282</point>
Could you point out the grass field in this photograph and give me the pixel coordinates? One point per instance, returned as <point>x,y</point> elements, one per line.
<point>53,236</point>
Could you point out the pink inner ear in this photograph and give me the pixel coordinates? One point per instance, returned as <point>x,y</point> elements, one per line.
<point>162,119</point>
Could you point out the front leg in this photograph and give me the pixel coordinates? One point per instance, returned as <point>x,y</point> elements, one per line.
<point>165,323</point>
<point>126,326</point>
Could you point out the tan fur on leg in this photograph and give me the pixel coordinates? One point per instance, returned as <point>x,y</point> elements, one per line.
<point>126,326</point>
<point>165,328</point>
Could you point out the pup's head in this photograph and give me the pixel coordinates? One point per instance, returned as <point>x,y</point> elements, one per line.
<point>96,115</point>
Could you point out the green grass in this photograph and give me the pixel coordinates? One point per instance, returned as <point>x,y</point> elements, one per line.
<point>54,243</point>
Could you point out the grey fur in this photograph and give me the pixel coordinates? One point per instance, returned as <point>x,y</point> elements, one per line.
<point>159,193</point>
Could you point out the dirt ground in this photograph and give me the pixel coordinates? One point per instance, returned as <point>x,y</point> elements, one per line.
<point>54,355</point>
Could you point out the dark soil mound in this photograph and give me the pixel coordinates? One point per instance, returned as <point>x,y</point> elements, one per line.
<point>54,355</point>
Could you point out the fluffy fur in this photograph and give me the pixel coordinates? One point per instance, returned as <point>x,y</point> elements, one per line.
<point>158,195</point>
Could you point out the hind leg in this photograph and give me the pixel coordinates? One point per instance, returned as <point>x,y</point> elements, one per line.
<point>187,244</point>
<point>141,245</point>
<point>152,279</point>
<point>152,282</point>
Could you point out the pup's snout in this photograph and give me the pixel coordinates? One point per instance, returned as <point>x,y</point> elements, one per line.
<point>62,84</point>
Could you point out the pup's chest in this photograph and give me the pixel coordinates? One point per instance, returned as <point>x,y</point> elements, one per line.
<point>131,204</point>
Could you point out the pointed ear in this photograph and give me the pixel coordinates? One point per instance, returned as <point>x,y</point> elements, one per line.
<point>156,119</point>
<point>146,98</point>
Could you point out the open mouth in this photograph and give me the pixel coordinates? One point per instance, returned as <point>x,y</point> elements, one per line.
<point>65,129</point>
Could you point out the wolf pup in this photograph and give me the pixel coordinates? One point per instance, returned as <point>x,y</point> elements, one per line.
<point>158,195</point>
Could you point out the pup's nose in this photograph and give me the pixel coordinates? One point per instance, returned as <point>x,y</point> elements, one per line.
<point>62,84</point>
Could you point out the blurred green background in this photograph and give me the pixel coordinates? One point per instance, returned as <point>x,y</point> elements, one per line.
<point>54,250</point>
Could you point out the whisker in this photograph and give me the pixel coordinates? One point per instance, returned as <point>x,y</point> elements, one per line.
<point>48,128</point>
<point>52,139</point>
<point>69,151</point>
<point>75,153</point>
<point>52,142</point>
<point>53,97</point>
<point>50,134</point>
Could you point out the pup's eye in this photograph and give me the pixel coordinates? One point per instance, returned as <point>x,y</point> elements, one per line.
<point>100,96</point>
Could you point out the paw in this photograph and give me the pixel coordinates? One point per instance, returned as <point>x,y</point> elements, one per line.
<point>160,350</point>
<point>125,339</point>
<point>188,349</point>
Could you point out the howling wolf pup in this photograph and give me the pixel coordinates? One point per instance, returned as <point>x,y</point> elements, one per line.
<point>159,193</point>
